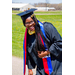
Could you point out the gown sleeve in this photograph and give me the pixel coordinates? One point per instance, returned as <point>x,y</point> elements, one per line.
<point>30,43</point>
<point>29,61</point>
<point>55,39</point>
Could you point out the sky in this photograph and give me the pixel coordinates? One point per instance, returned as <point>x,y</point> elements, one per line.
<point>38,1</point>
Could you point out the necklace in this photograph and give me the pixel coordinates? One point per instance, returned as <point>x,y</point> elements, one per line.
<point>31,32</point>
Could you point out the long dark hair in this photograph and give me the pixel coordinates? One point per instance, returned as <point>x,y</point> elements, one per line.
<point>38,35</point>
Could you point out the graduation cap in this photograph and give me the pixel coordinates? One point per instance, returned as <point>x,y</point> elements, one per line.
<point>27,12</point>
<point>24,15</point>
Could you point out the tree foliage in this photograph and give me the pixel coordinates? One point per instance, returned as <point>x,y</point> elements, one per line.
<point>56,6</point>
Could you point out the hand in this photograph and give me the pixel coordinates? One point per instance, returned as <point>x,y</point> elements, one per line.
<point>43,53</point>
<point>30,72</point>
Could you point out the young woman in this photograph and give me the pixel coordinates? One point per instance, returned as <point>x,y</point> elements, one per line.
<point>42,46</point>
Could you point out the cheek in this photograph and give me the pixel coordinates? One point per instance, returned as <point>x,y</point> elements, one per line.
<point>34,23</point>
<point>27,27</point>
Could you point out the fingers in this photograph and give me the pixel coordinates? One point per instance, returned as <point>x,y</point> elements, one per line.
<point>43,53</point>
<point>30,72</point>
<point>39,52</point>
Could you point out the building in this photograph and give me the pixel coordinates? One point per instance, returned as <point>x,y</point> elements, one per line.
<point>25,6</point>
<point>21,6</point>
<point>45,8</point>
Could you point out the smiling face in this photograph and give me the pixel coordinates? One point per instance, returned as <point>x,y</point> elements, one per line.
<point>30,24</point>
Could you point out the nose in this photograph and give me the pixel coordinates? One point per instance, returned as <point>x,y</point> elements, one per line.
<point>30,24</point>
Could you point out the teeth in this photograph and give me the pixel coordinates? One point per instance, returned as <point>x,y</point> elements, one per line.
<point>31,27</point>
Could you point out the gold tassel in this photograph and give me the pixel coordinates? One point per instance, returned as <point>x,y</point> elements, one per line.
<point>32,15</point>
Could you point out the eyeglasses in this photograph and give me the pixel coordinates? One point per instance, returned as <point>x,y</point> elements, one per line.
<point>28,23</point>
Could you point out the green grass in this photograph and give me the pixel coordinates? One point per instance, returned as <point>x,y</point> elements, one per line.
<point>18,29</point>
<point>16,11</point>
<point>17,36</point>
<point>56,20</point>
<point>49,12</point>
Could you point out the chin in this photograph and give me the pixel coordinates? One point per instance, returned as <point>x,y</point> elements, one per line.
<point>32,29</point>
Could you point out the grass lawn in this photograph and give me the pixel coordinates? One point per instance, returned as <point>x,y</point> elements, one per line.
<point>18,29</point>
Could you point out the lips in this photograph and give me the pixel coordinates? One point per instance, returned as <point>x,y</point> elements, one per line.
<point>31,28</point>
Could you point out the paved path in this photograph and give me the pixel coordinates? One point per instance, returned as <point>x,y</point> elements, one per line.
<point>17,66</point>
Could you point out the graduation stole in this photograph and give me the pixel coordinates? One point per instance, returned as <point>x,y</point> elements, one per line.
<point>46,60</point>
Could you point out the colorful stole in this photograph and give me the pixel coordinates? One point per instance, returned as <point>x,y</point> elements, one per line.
<point>24,52</point>
<point>46,60</point>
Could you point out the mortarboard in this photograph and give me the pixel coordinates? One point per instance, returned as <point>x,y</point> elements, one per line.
<point>24,15</point>
<point>26,12</point>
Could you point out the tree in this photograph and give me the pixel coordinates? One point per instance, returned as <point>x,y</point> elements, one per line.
<point>47,2</point>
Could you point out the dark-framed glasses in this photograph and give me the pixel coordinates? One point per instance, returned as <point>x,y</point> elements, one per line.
<point>28,23</point>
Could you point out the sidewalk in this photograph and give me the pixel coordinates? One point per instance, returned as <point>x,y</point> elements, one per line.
<point>17,67</point>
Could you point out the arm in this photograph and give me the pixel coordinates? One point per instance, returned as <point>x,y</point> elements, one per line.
<point>30,63</point>
<point>30,72</point>
<point>55,39</point>
<point>43,53</point>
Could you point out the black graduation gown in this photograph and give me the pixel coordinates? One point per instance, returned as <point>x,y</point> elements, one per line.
<point>55,49</point>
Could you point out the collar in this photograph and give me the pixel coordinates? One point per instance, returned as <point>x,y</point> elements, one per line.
<point>31,32</point>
